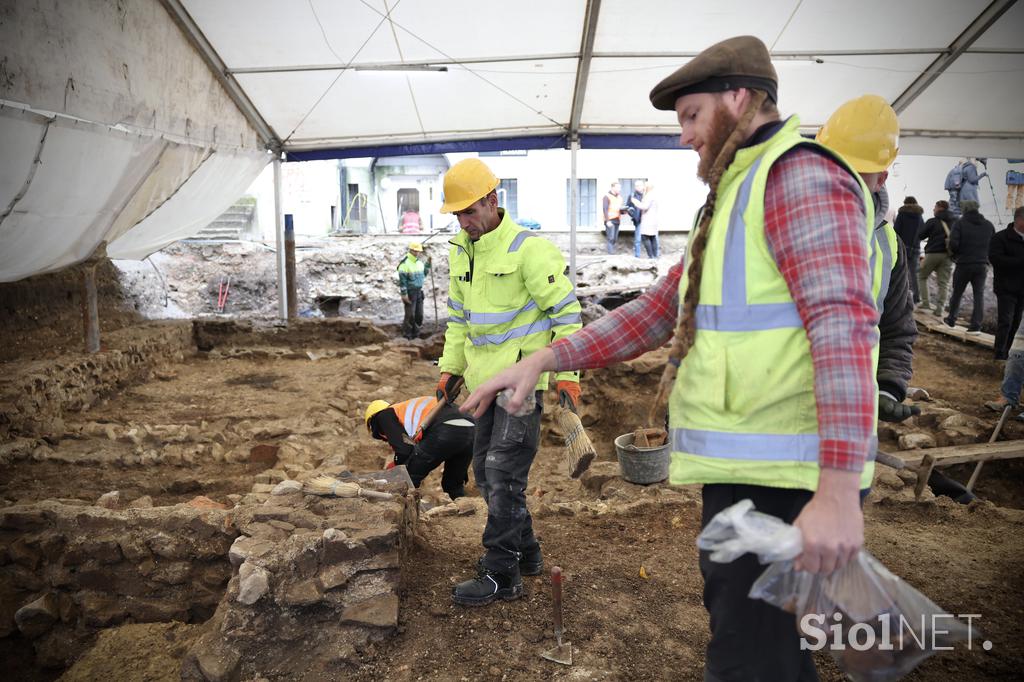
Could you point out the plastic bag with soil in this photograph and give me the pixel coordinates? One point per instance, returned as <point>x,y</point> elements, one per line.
<point>876,626</point>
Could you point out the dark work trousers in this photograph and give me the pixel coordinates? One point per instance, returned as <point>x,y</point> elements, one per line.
<point>912,259</point>
<point>413,314</point>
<point>1010,307</point>
<point>450,444</point>
<point>611,233</point>
<point>975,274</point>
<point>502,454</point>
<point>750,639</point>
<point>651,245</point>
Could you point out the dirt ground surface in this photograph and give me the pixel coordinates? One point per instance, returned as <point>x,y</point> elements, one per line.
<point>633,604</point>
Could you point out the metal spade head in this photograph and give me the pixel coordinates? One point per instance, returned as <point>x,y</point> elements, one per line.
<point>560,654</point>
<point>563,652</point>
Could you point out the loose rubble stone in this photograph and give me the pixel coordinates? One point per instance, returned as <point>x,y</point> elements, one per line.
<point>253,583</point>
<point>111,500</point>
<point>913,441</point>
<point>445,510</point>
<point>599,473</point>
<point>203,502</point>
<point>468,505</point>
<point>244,547</point>
<point>301,593</point>
<point>144,502</point>
<point>35,618</point>
<point>286,488</point>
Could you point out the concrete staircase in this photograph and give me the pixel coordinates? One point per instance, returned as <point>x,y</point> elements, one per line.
<point>233,224</point>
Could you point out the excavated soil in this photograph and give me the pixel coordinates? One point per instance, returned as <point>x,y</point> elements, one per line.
<point>622,625</point>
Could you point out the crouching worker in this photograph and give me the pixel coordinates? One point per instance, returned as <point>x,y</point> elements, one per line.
<point>447,440</point>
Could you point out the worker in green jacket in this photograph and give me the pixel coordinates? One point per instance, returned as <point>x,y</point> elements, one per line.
<point>411,272</point>
<point>509,296</point>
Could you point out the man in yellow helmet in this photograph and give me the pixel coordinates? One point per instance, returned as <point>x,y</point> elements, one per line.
<point>447,440</point>
<point>411,273</point>
<point>509,296</point>
<point>865,131</point>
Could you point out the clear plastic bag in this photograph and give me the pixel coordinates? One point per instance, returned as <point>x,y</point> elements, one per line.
<point>876,627</point>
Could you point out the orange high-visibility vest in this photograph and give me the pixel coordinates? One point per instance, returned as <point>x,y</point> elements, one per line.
<point>614,206</point>
<point>412,412</point>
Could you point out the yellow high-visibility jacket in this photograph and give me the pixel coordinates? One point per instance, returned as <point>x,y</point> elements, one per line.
<point>508,297</point>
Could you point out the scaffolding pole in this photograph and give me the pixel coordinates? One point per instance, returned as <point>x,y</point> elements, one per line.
<point>573,210</point>
<point>282,284</point>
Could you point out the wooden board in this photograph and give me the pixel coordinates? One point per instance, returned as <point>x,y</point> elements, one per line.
<point>934,324</point>
<point>959,454</point>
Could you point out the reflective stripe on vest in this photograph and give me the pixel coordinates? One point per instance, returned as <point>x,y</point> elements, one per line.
<point>412,412</point>
<point>880,242</point>
<point>735,314</point>
<point>750,446</point>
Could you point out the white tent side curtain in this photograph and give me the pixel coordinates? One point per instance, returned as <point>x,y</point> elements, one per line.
<point>67,186</point>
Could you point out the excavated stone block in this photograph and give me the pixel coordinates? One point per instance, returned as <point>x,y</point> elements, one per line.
<point>35,618</point>
<point>101,610</point>
<point>913,441</point>
<point>253,583</point>
<point>299,593</point>
<point>380,611</point>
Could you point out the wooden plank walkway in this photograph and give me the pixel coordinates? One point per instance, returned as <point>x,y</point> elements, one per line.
<point>934,324</point>
<point>960,454</point>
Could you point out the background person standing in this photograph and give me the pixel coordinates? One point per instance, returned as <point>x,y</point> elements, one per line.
<point>648,205</point>
<point>968,242</point>
<point>411,272</point>
<point>909,225</point>
<point>1006,253</point>
<point>636,213</point>
<point>936,256</point>
<point>611,204</point>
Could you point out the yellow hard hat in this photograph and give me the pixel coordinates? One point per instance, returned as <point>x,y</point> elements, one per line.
<point>372,409</point>
<point>466,182</point>
<point>865,131</point>
<point>416,246</point>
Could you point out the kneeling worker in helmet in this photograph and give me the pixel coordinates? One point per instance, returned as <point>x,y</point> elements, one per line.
<point>447,440</point>
<point>508,297</point>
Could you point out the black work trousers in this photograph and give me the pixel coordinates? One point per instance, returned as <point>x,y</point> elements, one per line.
<point>611,233</point>
<point>413,314</point>
<point>913,260</point>
<point>448,444</point>
<point>973,274</point>
<point>1010,307</point>
<point>750,639</point>
<point>502,455</point>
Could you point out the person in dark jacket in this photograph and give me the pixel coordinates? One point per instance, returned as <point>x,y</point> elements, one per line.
<point>909,225</point>
<point>936,255</point>
<point>969,241</point>
<point>1006,253</point>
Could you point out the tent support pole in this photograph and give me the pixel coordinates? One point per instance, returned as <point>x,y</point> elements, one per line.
<point>282,285</point>
<point>573,210</point>
<point>90,308</point>
<point>289,266</point>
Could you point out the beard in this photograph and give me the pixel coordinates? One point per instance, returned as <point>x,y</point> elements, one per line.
<point>722,125</point>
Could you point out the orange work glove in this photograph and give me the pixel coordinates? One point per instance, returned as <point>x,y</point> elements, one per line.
<point>448,387</point>
<point>569,390</point>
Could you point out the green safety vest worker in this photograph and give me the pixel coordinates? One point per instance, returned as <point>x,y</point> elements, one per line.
<point>743,408</point>
<point>411,273</point>
<point>502,305</point>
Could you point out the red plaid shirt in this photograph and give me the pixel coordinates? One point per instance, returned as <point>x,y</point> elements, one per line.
<point>814,225</point>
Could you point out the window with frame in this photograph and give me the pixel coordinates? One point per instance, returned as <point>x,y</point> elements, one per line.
<point>508,196</point>
<point>586,201</point>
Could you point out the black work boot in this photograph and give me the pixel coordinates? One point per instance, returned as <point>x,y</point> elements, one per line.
<point>531,563</point>
<point>486,587</point>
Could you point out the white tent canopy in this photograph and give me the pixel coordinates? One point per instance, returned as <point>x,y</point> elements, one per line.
<point>337,75</point>
<point>130,123</point>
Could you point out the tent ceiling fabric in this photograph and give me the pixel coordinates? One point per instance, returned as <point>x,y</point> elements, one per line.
<point>515,76</point>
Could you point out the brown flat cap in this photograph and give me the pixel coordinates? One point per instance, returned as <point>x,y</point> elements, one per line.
<point>740,62</point>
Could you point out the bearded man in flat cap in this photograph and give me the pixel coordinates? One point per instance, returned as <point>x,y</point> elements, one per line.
<point>774,343</point>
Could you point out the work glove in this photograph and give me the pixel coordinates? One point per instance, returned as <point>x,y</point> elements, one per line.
<point>569,394</point>
<point>448,387</point>
<point>892,410</point>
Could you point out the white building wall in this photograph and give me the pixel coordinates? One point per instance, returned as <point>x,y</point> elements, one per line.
<point>311,187</point>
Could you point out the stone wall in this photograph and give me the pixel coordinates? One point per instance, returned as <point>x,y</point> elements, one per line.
<point>67,571</point>
<point>35,395</point>
<point>315,580</point>
<point>214,334</point>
